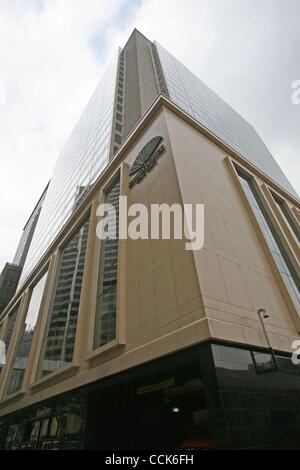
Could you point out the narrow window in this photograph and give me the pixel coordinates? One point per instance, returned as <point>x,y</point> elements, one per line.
<point>59,338</point>
<point>10,326</point>
<point>276,246</point>
<point>282,206</point>
<point>17,372</point>
<point>118,139</point>
<point>105,324</point>
<point>118,127</point>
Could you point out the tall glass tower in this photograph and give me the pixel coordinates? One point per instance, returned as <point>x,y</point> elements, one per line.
<point>136,76</point>
<point>96,323</point>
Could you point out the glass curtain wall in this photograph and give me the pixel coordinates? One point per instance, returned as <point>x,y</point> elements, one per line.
<point>105,325</point>
<point>17,372</point>
<point>203,104</point>
<point>59,338</point>
<point>84,156</point>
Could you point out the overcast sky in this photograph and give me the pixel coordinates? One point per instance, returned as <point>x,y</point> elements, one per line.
<point>53,52</point>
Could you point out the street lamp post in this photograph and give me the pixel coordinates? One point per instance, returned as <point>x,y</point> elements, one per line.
<point>262,314</point>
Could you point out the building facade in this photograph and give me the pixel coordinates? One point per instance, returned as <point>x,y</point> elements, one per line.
<point>122,343</point>
<point>11,273</point>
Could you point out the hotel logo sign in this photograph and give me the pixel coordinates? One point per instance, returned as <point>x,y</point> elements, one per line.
<point>146,160</point>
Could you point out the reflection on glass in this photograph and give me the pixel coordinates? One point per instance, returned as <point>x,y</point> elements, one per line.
<point>58,343</point>
<point>286,215</point>
<point>84,156</point>
<point>54,427</point>
<point>14,437</point>
<point>105,325</point>
<point>197,99</point>
<point>171,410</point>
<point>10,326</point>
<point>74,423</point>
<point>43,433</point>
<point>44,427</point>
<point>264,362</point>
<point>35,431</point>
<point>275,244</point>
<point>58,426</point>
<point>17,372</point>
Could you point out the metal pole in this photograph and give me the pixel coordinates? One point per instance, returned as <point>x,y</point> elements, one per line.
<point>260,313</point>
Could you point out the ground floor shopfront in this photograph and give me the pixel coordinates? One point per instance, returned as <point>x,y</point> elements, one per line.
<point>209,396</point>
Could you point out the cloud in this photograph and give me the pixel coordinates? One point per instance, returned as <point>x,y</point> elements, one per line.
<point>48,72</point>
<point>53,53</point>
<point>245,51</point>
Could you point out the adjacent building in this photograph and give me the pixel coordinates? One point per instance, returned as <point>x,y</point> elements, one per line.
<point>122,343</point>
<point>10,275</point>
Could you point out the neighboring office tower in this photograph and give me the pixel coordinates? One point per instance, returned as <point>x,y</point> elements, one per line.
<point>10,275</point>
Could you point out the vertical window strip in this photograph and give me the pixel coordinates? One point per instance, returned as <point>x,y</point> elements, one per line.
<point>106,307</point>
<point>12,317</point>
<point>59,338</point>
<point>19,365</point>
<point>287,217</point>
<point>279,253</point>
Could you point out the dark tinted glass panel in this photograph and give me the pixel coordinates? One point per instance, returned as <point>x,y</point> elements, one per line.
<point>14,437</point>
<point>105,326</point>
<point>17,372</point>
<point>118,139</point>
<point>264,362</point>
<point>60,333</point>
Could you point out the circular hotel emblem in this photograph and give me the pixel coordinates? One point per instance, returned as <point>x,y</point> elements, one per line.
<point>146,160</point>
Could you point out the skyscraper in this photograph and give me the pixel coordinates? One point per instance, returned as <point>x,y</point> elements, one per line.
<point>173,333</point>
<point>10,275</point>
<point>135,77</point>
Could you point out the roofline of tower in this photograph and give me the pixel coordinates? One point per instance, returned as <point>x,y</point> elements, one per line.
<point>36,205</point>
<point>135,30</point>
